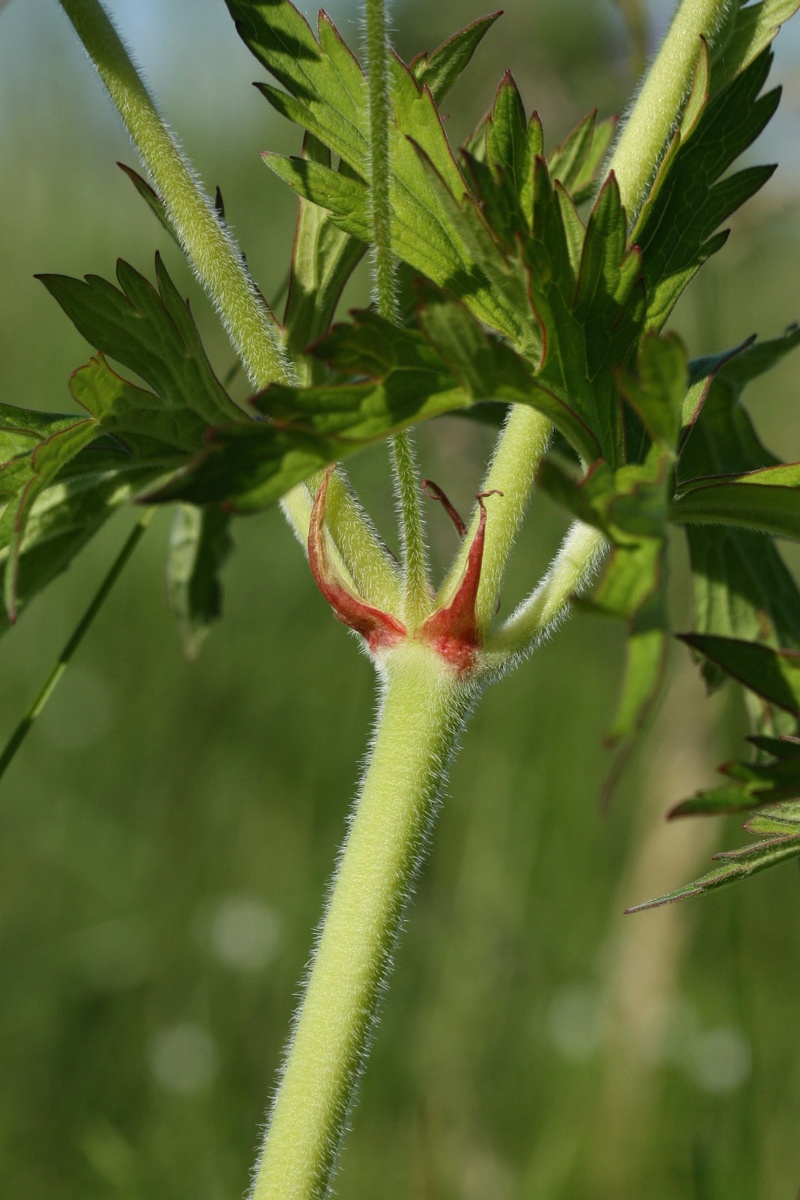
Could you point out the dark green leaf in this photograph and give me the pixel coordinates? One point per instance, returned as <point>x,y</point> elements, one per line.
<point>60,471</point>
<point>736,865</point>
<point>688,200</point>
<point>753,784</point>
<point>151,199</point>
<point>742,589</point>
<point>773,674</point>
<point>150,332</point>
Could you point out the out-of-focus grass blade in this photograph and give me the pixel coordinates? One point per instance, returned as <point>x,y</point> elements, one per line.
<point>59,667</point>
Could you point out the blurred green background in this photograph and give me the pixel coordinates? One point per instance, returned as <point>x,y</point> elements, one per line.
<point>168,830</point>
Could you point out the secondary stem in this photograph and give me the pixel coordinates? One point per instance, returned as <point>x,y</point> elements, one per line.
<point>649,126</point>
<point>406,476</point>
<point>208,245</point>
<point>422,712</point>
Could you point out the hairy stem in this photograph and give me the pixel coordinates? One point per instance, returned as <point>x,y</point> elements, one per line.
<point>422,712</point>
<point>406,476</point>
<point>651,121</point>
<point>520,448</point>
<point>570,572</point>
<point>206,242</point>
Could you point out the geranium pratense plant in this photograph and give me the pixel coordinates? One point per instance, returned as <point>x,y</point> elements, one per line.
<point>503,273</point>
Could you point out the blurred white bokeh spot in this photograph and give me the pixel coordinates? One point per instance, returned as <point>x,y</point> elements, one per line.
<point>577,1021</point>
<point>183,1058</point>
<point>243,932</point>
<point>719,1060</point>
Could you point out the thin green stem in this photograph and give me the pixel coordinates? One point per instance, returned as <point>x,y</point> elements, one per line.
<point>422,713</point>
<point>417,601</point>
<point>570,573</point>
<point>384,270</point>
<point>651,121</point>
<point>54,675</point>
<point>206,242</point>
<point>406,475</point>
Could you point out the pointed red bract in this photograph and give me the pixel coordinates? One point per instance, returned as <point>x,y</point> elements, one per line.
<point>453,631</point>
<point>379,629</point>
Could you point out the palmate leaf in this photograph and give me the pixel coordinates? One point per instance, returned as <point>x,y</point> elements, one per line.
<point>403,376</point>
<point>772,674</point>
<point>752,784</point>
<point>741,587</point>
<point>778,830</point>
<point>631,506</point>
<point>689,199</point>
<point>152,332</point>
<point>325,94</point>
<point>58,472</point>
<point>392,377</point>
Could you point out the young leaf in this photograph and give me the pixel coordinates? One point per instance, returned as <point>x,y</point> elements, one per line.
<point>151,199</point>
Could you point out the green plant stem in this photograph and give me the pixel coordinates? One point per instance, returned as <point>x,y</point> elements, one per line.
<point>54,676</point>
<point>206,242</point>
<point>520,448</point>
<point>569,574</point>
<point>377,80</point>
<point>416,603</point>
<point>651,121</point>
<point>422,712</point>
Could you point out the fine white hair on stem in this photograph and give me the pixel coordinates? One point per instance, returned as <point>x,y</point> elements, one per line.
<point>203,235</point>
<point>645,132</point>
<point>572,570</point>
